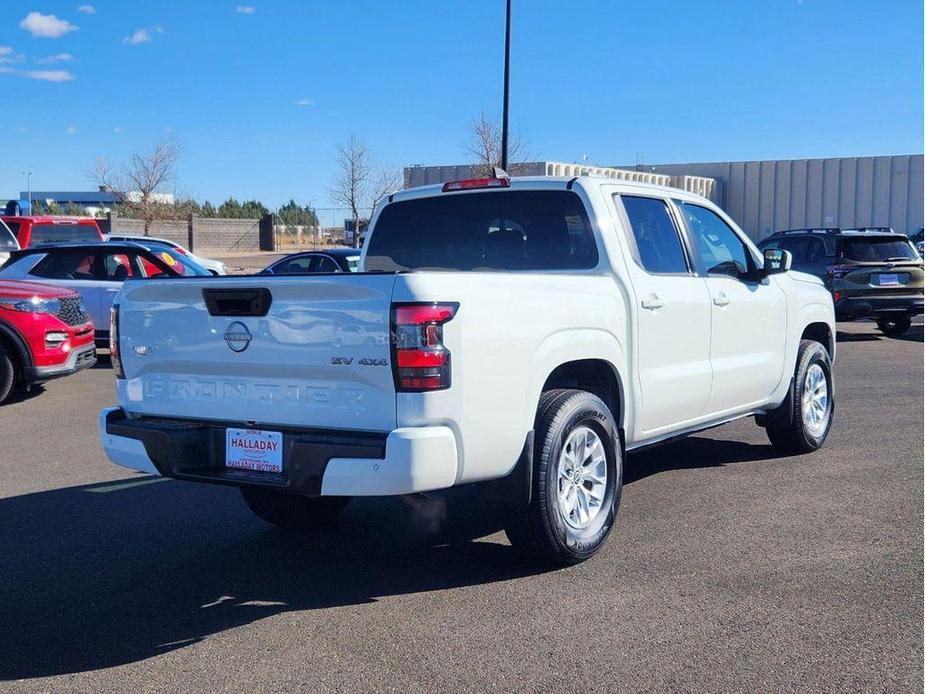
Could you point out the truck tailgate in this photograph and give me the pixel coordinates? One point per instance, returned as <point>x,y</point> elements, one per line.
<point>319,357</point>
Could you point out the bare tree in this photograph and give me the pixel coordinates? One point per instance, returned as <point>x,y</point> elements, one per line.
<point>485,145</point>
<point>353,177</point>
<point>387,179</point>
<point>141,182</point>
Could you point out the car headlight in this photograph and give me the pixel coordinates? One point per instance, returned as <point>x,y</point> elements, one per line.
<point>33,305</point>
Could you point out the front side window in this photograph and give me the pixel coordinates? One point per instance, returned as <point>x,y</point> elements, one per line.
<point>325,264</point>
<point>119,267</point>
<point>719,248</point>
<point>497,230</point>
<point>7,240</point>
<point>295,266</point>
<point>655,234</point>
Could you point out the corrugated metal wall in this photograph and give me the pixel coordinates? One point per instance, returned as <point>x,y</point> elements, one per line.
<point>766,196</point>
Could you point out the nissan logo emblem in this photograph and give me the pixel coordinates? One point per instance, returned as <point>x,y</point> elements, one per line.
<point>237,336</point>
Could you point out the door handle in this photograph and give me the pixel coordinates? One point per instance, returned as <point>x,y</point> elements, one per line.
<point>722,300</point>
<point>652,302</point>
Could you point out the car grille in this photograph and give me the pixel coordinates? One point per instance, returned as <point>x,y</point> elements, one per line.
<point>71,311</point>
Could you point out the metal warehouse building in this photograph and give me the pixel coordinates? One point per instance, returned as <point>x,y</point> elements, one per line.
<point>766,196</point>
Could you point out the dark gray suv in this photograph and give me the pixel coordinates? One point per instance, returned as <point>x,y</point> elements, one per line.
<point>872,272</point>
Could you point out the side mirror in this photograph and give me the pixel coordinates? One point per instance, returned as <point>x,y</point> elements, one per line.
<point>776,261</point>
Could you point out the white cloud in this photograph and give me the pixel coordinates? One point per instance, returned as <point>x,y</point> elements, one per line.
<point>71,129</point>
<point>5,69</point>
<point>46,26</point>
<point>139,37</point>
<point>6,50</point>
<point>87,9</point>
<point>304,102</point>
<point>117,130</point>
<point>245,9</point>
<point>57,58</point>
<point>50,75</point>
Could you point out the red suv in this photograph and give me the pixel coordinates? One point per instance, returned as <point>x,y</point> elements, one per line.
<point>32,231</point>
<point>45,332</point>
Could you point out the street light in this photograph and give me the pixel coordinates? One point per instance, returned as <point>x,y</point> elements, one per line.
<point>28,175</point>
<point>507,79</point>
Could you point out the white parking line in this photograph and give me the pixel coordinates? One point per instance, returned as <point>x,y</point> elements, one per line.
<point>125,485</point>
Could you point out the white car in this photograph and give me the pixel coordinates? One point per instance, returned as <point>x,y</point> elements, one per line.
<point>8,242</point>
<point>527,332</point>
<point>216,267</point>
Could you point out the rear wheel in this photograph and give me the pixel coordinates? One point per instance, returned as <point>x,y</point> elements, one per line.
<point>577,480</point>
<point>894,327</point>
<point>7,374</point>
<point>813,403</point>
<point>291,511</point>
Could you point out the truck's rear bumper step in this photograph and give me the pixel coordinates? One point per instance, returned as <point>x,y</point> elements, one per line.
<point>315,462</point>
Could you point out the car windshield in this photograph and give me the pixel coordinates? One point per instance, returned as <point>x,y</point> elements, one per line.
<point>57,233</point>
<point>877,249</point>
<point>511,230</point>
<point>178,262</point>
<point>7,240</point>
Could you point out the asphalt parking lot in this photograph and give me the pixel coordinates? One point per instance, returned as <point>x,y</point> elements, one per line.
<point>731,569</point>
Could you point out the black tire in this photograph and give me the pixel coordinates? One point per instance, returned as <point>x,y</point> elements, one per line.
<point>293,512</point>
<point>7,374</point>
<point>798,437</point>
<point>894,327</point>
<point>541,530</point>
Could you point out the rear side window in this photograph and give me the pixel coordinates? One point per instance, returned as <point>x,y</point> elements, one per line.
<point>509,230</point>
<point>56,233</point>
<point>75,265</point>
<point>7,240</point>
<point>655,234</point>
<point>804,249</point>
<point>876,249</point>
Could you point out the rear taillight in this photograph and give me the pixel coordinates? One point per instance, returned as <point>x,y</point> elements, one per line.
<point>836,297</point>
<point>114,353</point>
<point>420,360</point>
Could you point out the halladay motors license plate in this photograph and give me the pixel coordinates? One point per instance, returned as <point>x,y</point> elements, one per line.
<point>253,449</point>
<point>888,279</point>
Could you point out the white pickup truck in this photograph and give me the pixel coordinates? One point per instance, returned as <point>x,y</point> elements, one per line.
<point>528,331</point>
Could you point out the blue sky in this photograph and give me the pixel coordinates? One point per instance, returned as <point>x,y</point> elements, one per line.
<point>258,92</point>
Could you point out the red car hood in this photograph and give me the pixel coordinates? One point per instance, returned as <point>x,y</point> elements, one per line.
<point>16,289</point>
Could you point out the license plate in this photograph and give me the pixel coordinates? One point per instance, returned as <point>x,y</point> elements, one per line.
<point>252,449</point>
<point>888,279</point>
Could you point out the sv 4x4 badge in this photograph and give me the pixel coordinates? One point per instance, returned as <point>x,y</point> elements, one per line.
<point>347,361</point>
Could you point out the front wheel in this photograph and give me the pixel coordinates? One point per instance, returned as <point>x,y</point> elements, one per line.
<point>894,327</point>
<point>577,480</point>
<point>291,511</point>
<point>7,374</point>
<point>813,403</point>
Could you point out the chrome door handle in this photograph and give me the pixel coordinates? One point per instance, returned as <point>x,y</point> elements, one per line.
<point>652,303</point>
<point>722,300</point>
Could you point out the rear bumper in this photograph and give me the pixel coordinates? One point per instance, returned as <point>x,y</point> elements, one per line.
<point>315,462</point>
<point>79,358</point>
<point>850,308</point>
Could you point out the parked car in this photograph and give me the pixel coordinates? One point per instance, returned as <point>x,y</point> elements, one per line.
<point>328,260</point>
<point>95,270</point>
<point>43,230</point>
<point>918,240</point>
<point>45,332</point>
<point>513,341</point>
<point>8,243</point>
<point>872,272</point>
<point>215,267</point>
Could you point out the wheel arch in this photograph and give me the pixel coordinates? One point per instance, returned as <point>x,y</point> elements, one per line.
<point>14,342</point>
<point>821,332</point>
<point>595,375</point>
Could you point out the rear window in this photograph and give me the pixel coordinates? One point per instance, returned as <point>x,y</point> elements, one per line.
<point>56,233</point>
<point>876,250</point>
<point>510,230</point>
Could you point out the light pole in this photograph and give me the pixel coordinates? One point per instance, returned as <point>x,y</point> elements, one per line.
<point>507,78</point>
<point>28,175</point>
